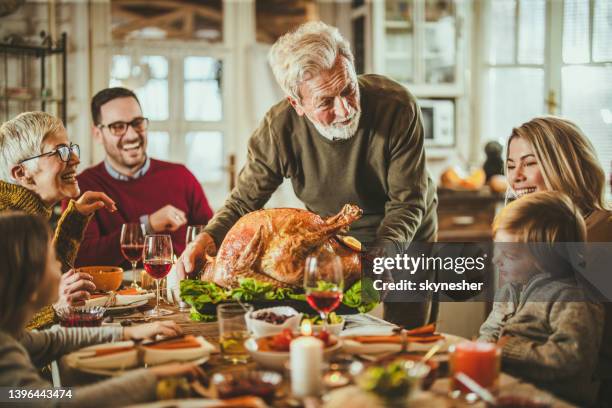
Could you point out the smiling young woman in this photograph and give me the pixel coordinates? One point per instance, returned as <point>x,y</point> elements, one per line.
<point>553,154</point>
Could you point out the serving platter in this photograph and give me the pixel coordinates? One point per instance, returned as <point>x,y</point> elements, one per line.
<point>299,305</point>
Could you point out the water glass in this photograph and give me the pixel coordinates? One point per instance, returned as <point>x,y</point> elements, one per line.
<point>233,331</point>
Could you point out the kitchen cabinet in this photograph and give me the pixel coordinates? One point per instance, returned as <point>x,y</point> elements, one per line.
<point>467,216</point>
<point>420,43</point>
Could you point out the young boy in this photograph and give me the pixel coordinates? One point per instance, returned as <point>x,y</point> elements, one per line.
<point>549,332</point>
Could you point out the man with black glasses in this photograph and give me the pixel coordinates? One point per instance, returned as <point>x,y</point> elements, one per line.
<point>165,197</point>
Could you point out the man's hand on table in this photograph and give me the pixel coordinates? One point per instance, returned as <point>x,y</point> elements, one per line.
<point>193,257</point>
<point>167,219</point>
<point>166,328</point>
<point>75,288</point>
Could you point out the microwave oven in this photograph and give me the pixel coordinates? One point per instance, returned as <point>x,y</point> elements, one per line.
<point>438,121</point>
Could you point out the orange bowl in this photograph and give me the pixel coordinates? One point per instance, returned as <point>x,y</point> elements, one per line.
<point>106,278</point>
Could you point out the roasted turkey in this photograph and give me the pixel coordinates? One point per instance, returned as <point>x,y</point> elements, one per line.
<point>272,245</point>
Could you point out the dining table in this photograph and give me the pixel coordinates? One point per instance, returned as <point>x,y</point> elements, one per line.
<point>438,395</point>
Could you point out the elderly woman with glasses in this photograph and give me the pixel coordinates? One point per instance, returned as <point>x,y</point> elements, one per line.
<point>38,170</point>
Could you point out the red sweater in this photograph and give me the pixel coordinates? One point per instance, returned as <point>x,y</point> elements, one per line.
<point>164,183</point>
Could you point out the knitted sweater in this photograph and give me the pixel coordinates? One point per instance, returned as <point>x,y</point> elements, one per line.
<point>553,336</point>
<point>164,183</point>
<point>20,359</point>
<point>382,168</point>
<point>66,239</point>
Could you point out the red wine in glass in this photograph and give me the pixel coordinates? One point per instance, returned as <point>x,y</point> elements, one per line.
<point>132,252</point>
<point>158,269</point>
<point>81,319</point>
<point>323,283</point>
<point>324,301</point>
<point>132,244</point>
<point>157,260</point>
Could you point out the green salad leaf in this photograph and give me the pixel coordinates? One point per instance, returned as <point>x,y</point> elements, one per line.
<point>197,293</point>
<point>391,381</point>
<point>361,296</point>
<point>332,318</point>
<point>202,296</point>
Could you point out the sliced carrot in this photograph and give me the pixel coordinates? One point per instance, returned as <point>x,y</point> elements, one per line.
<point>425,339</point>
<point>428,329</point>
<point>176,346</point>
<point>113,350</point>
<point>378,339</point>
<point>128,291</point>
<point>397,339</point>
<point>188,341</point>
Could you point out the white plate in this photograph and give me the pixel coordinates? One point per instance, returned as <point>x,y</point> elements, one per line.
<point>276,359</point>
<point>129,357</point>
<point>134,305</point>
<point>115,373</point>
<point>354,347</point>
<point>184,403</point>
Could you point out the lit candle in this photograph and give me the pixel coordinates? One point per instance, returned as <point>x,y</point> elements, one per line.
<point>306,327</point>
<point>306,363</point>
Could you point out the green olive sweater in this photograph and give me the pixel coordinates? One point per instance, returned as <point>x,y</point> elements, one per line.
<point>381,168</point>
<point>67,237</point>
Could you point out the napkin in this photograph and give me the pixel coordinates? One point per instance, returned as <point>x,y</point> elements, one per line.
<point>396,339</point>
<point>123,298</point>
<point>123,355</point>
<point>187,349</point>
<point>354,347</point>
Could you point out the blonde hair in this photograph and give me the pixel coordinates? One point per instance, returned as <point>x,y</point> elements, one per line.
<point>22,137</point>
<point>566,159</point>
<point>313,47</point>
<point>544,216</point>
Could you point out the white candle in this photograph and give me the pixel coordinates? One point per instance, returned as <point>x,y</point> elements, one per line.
<point>306,366</point>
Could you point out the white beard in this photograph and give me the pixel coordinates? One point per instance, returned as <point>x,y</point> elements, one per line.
<point>333,132</point>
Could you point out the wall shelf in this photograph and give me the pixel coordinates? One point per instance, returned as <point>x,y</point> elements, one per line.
<point>22,55</point>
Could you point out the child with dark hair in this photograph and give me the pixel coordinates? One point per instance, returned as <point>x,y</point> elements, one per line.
<point>544,321</point>
<point>29,279</point>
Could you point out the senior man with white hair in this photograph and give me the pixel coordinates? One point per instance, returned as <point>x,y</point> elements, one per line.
<point>340,138</point>
<point>38,170</point>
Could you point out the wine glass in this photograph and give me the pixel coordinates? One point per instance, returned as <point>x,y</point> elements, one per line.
<point>323,283</point>
<point>132,244</point>
<point>157,262</point>
<point>192,232</point>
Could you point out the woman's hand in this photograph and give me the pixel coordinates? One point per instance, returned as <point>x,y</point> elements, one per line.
<point>178,370</point>
<point>91,201</point>
<point>75,288</point>
<point>166,328</point>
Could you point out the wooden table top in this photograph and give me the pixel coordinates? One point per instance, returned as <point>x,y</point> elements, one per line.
<point>437,396</point>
